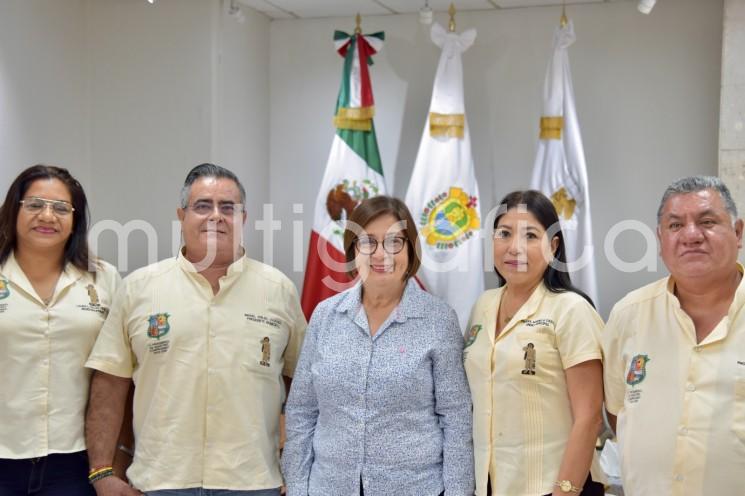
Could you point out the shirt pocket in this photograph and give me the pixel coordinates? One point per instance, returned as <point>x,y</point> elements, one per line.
<point>539,358</point>
<point>738,414</point>
<point>263,347</point>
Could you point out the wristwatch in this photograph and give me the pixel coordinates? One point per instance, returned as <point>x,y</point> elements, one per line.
<point>566,486</point>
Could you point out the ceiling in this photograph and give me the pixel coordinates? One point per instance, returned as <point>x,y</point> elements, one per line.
<point>306,9</point>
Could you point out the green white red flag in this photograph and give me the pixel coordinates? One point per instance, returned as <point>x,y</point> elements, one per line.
<point>353,171</point>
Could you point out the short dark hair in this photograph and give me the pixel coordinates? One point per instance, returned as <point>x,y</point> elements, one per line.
<point>535,202</point>
<point>76,248</point>
<point>209,170</point>
<point>369,210</point>
<point>694,184</point>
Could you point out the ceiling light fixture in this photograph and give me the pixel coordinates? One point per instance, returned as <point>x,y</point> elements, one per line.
<point>646,6</point>
<point>151,2</point>
<point>425,13</point>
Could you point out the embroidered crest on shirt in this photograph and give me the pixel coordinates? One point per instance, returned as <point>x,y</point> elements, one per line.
<point>4,289</point>
<point>530,359</point>
<point>158,325</point>
<point>472,334</point>
<point>637,370</point>
<point>266,351</point>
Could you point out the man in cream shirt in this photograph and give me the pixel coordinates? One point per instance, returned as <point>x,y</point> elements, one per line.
<point>207,337</point>
<point>675,354</point>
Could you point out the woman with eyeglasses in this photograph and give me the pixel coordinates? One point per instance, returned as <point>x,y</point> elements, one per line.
<point>54,297</point>
<point>379,403</point>
<point>533,361</point>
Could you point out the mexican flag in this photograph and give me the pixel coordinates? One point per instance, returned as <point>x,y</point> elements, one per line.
<point>560,171</point>
<point>443,196</point>
<point>353,170</point>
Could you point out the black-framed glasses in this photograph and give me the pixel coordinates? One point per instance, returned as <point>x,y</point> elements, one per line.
<point>204,208</point>
<point>392,245</point>
<point>34,205</point>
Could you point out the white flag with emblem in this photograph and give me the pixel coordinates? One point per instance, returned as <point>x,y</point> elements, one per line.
<point>560,171</point>
<point>443,195</point>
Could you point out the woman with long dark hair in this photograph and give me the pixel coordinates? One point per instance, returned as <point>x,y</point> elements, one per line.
<point>533,362</point>
<point>54,297</point>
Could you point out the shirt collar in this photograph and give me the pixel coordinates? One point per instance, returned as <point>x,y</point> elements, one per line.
<point>720,331</point>
<point>14,273</point>
<point>528,309</point>
<point>737,302</point>
<point>233,269</point>
<point>411,305</point>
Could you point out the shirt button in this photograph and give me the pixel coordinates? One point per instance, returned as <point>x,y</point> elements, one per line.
<point>697,348</point>
<point>691,387</point>
<point>679,477</point>
<point>45,362</point>
<point>683,431</point>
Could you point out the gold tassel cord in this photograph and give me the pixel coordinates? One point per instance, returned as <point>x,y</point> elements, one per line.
<point>355,118</point>
<point>450,125</point>
<point>356,113</point>
<point>551,127</point>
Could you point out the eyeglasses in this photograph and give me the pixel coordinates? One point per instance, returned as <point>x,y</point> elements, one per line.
<point>34,205</point>
<point>391,245</point>
<point>204,208</point>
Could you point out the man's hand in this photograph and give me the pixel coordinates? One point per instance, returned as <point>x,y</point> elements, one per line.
<point>114,486</point>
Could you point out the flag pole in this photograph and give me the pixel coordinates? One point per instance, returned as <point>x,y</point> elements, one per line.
<point>451,11</point>
<point>563,21</point>
<point>358,24</point>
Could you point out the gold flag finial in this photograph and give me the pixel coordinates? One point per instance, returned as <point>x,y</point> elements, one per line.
<point>451,11</point>
<point>563,21</point>
<point>358,24</point>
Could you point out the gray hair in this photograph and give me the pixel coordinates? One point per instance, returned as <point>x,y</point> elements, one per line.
<point>209,170</point>
<point>693,184</point>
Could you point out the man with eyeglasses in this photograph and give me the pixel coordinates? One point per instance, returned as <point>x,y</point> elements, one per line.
<point>206,337</point>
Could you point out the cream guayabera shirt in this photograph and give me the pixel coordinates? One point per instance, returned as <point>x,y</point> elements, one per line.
<point>43,349</point>
<point>680,404</point>
<point>522,416</point>
<point>207,371</point>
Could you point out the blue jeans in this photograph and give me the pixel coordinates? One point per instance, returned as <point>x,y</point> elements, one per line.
<point>63,474</point>
<point>198,491</point>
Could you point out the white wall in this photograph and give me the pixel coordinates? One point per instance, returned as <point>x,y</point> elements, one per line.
<point>42,87</point>
<point>242,123</point>
<point>172,85</point>
<point>647,91</point>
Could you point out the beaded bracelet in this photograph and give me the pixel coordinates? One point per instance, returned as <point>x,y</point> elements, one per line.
<point>97,474</point>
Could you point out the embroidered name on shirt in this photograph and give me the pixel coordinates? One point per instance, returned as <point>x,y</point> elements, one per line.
<point>3,307</point>
<point>263,319</point>
<point>539,322</point>
<point>94,308</point>
<point>159,347</point>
